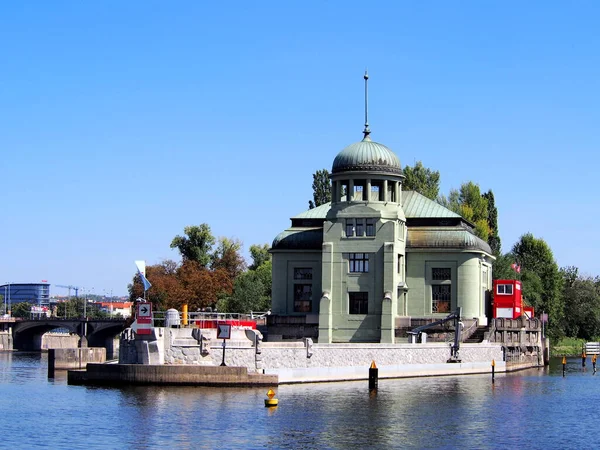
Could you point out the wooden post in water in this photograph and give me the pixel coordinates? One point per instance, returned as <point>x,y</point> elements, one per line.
<point>373,376</point>
<point>493,370</point>
<point>564,361</point>
<point>594,362</point>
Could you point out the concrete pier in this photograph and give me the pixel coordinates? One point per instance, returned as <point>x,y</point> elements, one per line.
<point>142,374</point>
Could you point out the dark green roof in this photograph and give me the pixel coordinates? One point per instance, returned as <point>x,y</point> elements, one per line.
<point>299,239</point>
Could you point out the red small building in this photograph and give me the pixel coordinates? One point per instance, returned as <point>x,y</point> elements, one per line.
<point>508,300</point>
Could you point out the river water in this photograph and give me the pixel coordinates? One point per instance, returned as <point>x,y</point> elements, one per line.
<point>537,409</point>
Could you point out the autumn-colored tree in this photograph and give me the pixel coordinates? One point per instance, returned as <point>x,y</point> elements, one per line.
<point>227,256</point>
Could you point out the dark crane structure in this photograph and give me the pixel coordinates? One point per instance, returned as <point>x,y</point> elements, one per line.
<point>416,334</point>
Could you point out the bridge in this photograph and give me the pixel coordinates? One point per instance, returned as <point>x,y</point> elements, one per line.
<point>27,334</point>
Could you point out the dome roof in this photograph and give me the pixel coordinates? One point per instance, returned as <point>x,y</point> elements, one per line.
<point>366,155</point>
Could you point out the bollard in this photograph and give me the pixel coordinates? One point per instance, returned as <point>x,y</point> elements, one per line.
<point>583,359</point>
<point>271,402</point>
<point>373,376</point>
<point>564,364</point>
<point>51,362</point>
<point>493,370</point>
<point>594,363</point>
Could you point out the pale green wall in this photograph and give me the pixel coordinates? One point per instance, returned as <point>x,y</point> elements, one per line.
<point>284,263</point>
<point>467,286</point>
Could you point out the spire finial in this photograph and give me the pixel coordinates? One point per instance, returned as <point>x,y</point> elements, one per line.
<point>366,131</point>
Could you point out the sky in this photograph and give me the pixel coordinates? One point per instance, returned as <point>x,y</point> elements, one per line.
<point>121,123</point>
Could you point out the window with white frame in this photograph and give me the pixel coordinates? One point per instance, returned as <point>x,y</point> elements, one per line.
<point>504,289</point>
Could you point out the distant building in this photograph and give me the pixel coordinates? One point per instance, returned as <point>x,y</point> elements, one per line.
<point>35,293</point>
<point>115,308</point>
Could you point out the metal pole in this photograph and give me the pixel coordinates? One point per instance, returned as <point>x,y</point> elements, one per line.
<point>9,310</point>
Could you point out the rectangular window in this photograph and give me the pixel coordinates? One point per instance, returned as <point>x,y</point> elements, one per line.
<point>505,289</point>
<point>442,296</point>
<point>438,274</point>
<point>360,227</point>
<point>441,289</point>
<point>349,227</point>
<point>302,297</point>
<point>358,262</point>
<point>370,227</point>
<point>302,273</point>
<point>359,302</point>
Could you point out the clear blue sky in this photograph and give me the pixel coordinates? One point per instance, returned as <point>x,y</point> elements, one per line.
<point>123,122</point>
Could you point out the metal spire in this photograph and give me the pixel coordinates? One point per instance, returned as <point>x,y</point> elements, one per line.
<point>366,131</point>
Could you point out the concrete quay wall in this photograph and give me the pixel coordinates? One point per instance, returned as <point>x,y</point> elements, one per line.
<point>304,361</point>
<point>121,374</point>
<point>74,358</point>
<point>6,340</point>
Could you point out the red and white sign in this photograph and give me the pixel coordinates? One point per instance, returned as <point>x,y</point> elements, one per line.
<point>223,331</point>
<point>143,319</point>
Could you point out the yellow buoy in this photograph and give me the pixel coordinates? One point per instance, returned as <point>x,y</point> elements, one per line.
<point>271,401</point>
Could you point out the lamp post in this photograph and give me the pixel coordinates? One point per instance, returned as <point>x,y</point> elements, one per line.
<point>9,310</point>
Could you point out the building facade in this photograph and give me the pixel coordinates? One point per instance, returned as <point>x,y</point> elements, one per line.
<point>377,256</point>
<point>34,293</point>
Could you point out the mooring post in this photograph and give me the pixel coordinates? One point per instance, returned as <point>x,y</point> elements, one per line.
<point>51,362</point>
<point>594,362</point>
<point>583,356</point>
<point>373,376</point>
<point>493,370</point>
<point>564,361</point>
<point>223,362</point>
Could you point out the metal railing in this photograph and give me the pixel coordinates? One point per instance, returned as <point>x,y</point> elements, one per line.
<point>201,318</point>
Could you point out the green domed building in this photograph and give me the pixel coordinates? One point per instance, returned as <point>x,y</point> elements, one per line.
<point>376,258</point>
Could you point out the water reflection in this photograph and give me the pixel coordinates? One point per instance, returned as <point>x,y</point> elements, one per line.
<point>536,408</point>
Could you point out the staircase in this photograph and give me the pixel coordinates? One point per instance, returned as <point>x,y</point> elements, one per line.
<point>477,336</point>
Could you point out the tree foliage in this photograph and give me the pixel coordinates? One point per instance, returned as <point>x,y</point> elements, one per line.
<point>196,244</point>
<point>188,283</point>
<point>260,255</point>
<point>581,297</point>
<point>471,205</point>
<point>421,179</point>
<point>21,309</point>
<point>492,220</point>
<point>321,189</point>
<point>227,256</point>
<point>542,281</point>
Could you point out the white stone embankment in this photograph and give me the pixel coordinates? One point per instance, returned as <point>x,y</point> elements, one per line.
<point>304,361</point>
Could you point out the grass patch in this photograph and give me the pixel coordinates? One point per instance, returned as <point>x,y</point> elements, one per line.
<point>567,346</point>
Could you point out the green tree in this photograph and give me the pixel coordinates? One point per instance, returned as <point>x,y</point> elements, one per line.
<point>536,260</point>
<point>492,220</point>
<point>248,295</point>
<point>582,305</point>
<point>260,254</point>
<point>321,188</point>
<point>196,244</point>
<point>421,179</point>
<point>68,309</point>
<point>21,309</point>
<point>471,205</point>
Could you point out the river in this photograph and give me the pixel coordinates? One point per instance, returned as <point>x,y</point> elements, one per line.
<point>534,409</point>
